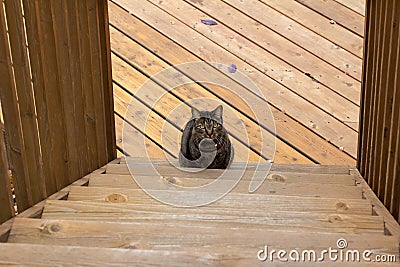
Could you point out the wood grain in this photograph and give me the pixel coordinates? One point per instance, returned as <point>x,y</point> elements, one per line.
<point>179,32</point>
<point>288,130</point>
<point>302,221</point>
<point>232,201</point>
<point>180,236</point>
<point>6,200</point>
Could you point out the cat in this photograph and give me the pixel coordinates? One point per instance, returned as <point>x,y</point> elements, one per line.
<point>205,142</point>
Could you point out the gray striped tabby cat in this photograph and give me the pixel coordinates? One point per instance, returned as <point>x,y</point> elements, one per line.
<point>205,142</point>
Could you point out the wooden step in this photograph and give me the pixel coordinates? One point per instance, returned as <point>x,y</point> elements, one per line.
<point>273,185</point>
<point>181,236</point>
<point>300,168</point>
<point>231,201</point>
<point>123,180</point>
<point>289,221</point>
<point>51,255</point>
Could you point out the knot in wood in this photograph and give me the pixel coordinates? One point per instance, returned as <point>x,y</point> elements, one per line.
<point>277,178</point>
<point>116,198</point>
<point>341,206</point>
<point>335,218</point>
<point>51,228</point>
<point>172,181</point>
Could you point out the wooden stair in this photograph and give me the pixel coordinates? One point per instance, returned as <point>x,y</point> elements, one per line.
<point>106,219</point>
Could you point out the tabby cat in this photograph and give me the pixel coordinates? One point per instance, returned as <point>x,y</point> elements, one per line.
<point>203,129</point>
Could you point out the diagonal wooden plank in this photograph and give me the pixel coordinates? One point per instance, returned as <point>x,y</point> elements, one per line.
<point>319,24</point>
<point>239,125</point>
<point>275,49</point>
<point>153,150</point>
<point>289,130</point>
<point>355,5</point>
<point>300,35</point>
<point>349,19</point>
<point>264,57</point>
<point>195,42</point>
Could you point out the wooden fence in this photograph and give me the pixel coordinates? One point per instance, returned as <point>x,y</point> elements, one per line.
<point>379,146</point>
<point>56,96</point>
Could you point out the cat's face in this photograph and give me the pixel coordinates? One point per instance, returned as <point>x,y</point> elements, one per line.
<point>208,124</point>
<point>207,128</point>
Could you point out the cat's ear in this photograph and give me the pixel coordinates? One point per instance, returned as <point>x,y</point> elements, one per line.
<point>195,113</point>
<point>217,114</point>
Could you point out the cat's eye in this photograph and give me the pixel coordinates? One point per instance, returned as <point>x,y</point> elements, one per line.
<point>200,126</point>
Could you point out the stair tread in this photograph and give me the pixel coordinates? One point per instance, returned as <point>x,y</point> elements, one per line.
<point>239,201</point>
<point>14,254</point>
<point>182,236</point>
<point>291,221</point>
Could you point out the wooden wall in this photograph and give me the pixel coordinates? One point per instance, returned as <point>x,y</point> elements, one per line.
<point>379,147</point>
<point>56,93</point>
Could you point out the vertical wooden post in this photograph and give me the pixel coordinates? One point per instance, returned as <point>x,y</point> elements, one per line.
<point>12,120</point>
<point>56,93</point>
<point>379,153</point>
<point>6,202</point>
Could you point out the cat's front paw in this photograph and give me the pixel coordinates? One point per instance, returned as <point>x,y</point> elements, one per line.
<point>207,145</point>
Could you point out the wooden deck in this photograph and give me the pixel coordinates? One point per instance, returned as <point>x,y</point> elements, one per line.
<point>305,56</point>
<point>106,219</point>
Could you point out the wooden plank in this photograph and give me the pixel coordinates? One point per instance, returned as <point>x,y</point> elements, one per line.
<point>153,150</point>
<point>38,255</point>
<point>303,221</point>
<point>266,61</point>
<point>349,19</point>
<point>287,177</point>
<point>277,48</point>
<point>376,93</point>
<point>392,227</point>
<point>356,5</point>
<point>232,201</point>
<point>182,237</point>
<point>392,120</point>
<point>250,133</point>
<point>270,186</point>
<point>87,84</point>
<point>319,24</point>
<point>300,35</point>
<point>12,121</point>
<point>179,32</point>
<point>76,89</point>
<point>105,47</point>
<point>6,200</point>
<point>366,99</point>
<point>395,145</point>
<point>36,210</point>
<point>163,132</point>
<point>385,98</point>
<point>300,168</point>
<point>58,177</point>
<point>153,125</point>
<point>26,105</point>
<point>374,66</point>
<point>61,33</point>
<point>97,79</point>
<point>288,129</point>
